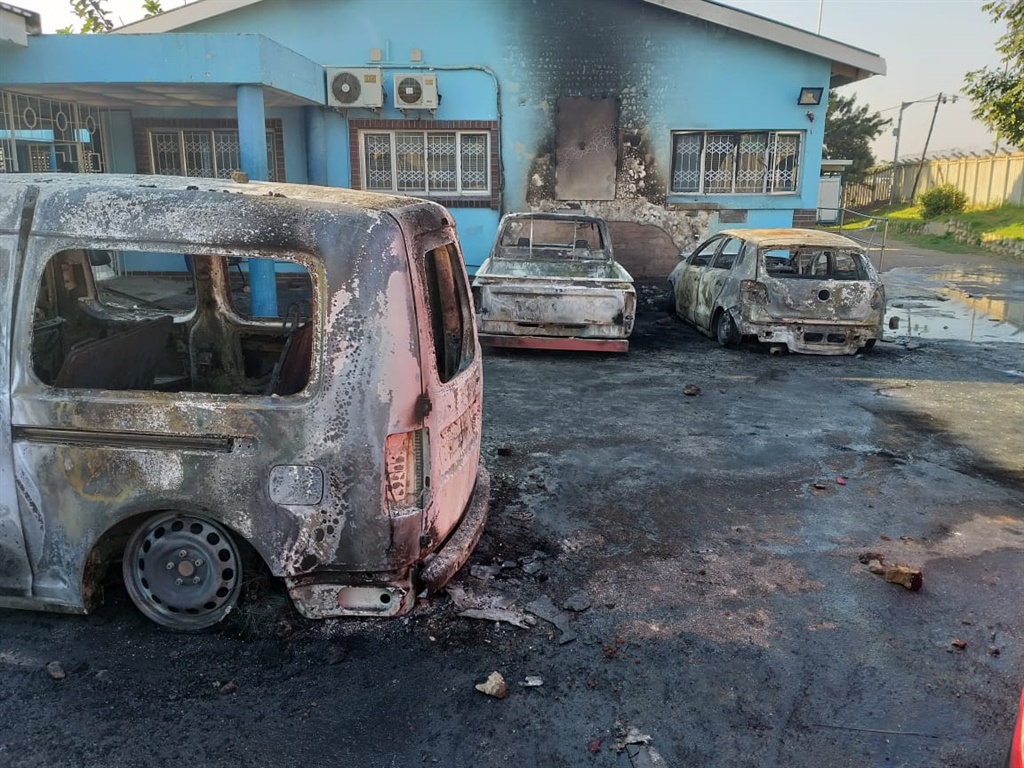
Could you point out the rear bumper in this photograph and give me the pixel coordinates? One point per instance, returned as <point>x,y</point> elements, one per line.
<point>571,344</point>
<point>443,564</point>
<point>336,595</point>
<point>814,338</point>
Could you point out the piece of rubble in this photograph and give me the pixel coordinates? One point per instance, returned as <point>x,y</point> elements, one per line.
<point>691,390</point>
<point>957,643</point>
<point>594,746</point>
<point>229,687</point>
<point>840,481</point>
<point>876,567</point>
<point>544,608</point>
<point>532,681</point>
<point>514,618</point>
<point>532,568</point>
<point>629,736</point>
<point>867,557</point>
<point>493,686</point>
<point>905,576</point>
<point>484,572</point>
<point>820,486</point>
<point>55,670</point>
<point>577,602</point>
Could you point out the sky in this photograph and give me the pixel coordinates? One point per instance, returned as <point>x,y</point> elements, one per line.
<point>928,45</point>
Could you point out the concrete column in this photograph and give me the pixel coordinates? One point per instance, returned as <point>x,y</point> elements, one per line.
<point>316,145</point>
<point>252,146</point>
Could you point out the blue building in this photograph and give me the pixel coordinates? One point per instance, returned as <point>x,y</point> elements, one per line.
<point>670,118</point>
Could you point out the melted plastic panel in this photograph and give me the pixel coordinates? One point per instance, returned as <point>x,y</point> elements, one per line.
<point>181,323</point>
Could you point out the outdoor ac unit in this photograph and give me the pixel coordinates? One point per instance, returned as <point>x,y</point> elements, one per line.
<point>416,91</point>
<point>350,88</point>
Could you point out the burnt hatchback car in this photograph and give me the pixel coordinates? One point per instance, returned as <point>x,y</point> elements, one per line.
<point>149,415</point>
<point>795,289</point>
<point>551,281</point>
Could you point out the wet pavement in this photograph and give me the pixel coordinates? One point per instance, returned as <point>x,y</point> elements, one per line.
<point>968,297</point>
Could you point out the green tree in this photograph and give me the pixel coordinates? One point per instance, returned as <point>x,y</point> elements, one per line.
<point>849,130</point>
<point>95,17</point>
<point>998,96</point>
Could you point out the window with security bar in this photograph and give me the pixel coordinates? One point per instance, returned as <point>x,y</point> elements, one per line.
<point>440,163</point>
<point>212,154</point>
<point>727,163</point>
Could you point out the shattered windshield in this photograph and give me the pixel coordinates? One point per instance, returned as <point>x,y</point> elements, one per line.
<point>551,239</point>
<point>815,263</point>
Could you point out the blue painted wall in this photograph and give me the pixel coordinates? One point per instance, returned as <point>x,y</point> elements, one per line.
<point>499,60</point>
<point>670,72</point>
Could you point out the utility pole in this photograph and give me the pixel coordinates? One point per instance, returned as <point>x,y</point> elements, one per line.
<point>896,152</point>
<point>940,100</point>
<point>821,4</point>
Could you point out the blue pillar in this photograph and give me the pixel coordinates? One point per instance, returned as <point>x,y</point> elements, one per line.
<point>316,145</point>
<point>252,146</point>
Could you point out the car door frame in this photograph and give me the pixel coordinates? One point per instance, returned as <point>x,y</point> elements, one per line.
<point>16,577</point>
<point>712,282</point>
<point>688,284</point>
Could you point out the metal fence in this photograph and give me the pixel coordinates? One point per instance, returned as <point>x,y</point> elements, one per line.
<point>40,135</point>
<point>987,180</point>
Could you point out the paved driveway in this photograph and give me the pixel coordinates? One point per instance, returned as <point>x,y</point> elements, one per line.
<point>706,549</point>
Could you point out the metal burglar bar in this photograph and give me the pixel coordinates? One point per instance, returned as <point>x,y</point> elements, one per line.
<point>204,153</point>
<point>427,162</point>
<point>716,163</point>
<point>45,135</point>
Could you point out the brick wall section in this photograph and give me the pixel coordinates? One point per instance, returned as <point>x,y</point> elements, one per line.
<point>142,127</point>
<point>644,250</point>
<point>494,201</point>
<point>805,217</point>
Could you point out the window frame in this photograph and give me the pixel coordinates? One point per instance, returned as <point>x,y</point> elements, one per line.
<point>769,180</point>
<point>458,192</point>
<point>271,144</point>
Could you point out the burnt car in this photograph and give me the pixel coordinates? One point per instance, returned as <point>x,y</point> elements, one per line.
<point>551,281</point>
<point>157,411</point>
<point>796,289</point>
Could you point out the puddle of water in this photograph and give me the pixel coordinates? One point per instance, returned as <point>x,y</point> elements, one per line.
<point>978,303</point>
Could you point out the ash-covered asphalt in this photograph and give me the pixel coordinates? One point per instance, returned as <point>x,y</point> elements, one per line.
<point>713,551</point>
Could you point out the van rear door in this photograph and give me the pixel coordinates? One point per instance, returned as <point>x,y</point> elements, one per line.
<point>452,381</point>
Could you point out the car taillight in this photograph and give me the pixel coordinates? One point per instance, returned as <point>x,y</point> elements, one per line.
<point>754,292</point>
<point>878,298</point>
<point>407,476</point>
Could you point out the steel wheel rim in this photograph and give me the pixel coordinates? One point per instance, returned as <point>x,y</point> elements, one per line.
<point>182,571</point>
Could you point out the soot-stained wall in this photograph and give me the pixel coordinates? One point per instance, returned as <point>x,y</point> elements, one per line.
<point>513,61</point>
<point>667,72</point>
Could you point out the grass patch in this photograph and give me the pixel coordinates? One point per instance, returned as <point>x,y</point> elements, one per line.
<point>936,243</point>
<point>1003,223</point>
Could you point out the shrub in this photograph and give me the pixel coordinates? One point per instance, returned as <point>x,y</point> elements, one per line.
<point>942,200</point>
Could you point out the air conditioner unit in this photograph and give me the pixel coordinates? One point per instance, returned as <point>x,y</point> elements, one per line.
<point>351,88</point>
<point>416,91</point>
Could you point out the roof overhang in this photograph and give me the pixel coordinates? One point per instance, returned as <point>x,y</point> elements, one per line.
<point>162,70</point>
<point>17,24</point>
<point>849,64</point>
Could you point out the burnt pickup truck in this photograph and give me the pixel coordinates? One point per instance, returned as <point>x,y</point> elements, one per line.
<point>551,282</point>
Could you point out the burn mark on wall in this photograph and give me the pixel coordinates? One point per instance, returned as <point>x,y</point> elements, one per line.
<point>575,55</point>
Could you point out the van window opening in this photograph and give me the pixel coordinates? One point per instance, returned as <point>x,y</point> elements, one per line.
<point>450,320</point>
<point>169,322</point>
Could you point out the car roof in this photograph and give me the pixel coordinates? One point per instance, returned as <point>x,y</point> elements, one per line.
<point>779,237</point>
<point>352,200</point>
<point>553,216</point>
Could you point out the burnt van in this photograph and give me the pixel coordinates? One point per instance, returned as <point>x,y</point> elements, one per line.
<point>158,410</point>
